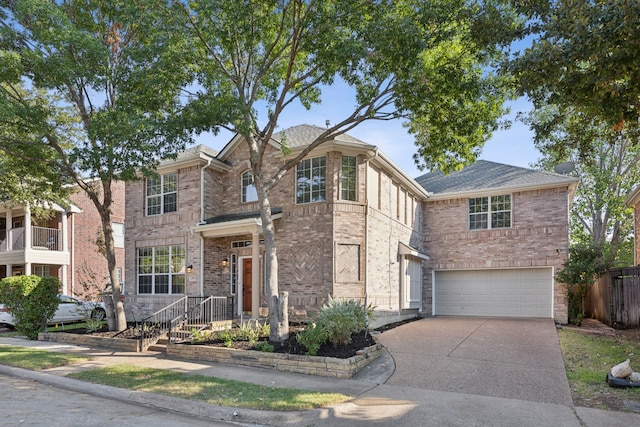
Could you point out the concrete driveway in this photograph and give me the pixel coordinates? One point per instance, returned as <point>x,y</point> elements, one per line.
<point>500,357</point>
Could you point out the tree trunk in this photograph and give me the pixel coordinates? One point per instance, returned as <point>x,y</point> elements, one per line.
<point>278,304</point>
<point>115,311</point>
<point>279,322</point>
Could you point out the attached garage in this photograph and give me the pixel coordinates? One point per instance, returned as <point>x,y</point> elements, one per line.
<point>498,293</point>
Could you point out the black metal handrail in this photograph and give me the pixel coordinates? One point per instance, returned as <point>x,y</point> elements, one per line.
<point>183,315</point>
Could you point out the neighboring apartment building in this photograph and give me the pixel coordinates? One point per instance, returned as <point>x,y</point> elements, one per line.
<point>63,245</point>
<point>349,224</point>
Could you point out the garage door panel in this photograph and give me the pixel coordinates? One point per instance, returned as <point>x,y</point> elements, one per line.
<point>509,293</point>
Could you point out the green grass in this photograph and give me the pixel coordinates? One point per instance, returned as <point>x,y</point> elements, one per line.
<point>35,360</point>
<point>212,390</point>
<point>587,360</point>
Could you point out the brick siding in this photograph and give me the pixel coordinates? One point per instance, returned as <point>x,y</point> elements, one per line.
<point>538,237</point>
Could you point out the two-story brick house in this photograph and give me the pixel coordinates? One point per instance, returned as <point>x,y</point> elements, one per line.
<point>347,220</point>
<point>348,224</point>
<point>63,245</point>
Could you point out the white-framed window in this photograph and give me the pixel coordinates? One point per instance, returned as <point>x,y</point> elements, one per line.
<point>162,194</point>
<point>348,174</point>
<point>118,234</point>
<point>490,212</point>
<point>249,193</point>
<point>40,270</point>
<point>311,178</point>
<point>161,270</point>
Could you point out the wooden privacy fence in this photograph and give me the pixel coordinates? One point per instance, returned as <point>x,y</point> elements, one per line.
<point>615,298</point>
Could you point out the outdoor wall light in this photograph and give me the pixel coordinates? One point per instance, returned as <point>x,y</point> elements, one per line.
<point>189,268</point>
<point>225,262</point>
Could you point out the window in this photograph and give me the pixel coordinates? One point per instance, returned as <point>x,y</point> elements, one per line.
<point>348,178</point>
<point>40,270</point>
<point>490,212</point>
<point>118,234</point>
<point>249,193</point>
<point>161,270</point>
<point>311,180</point>
<point>234,274</point>
<point>162,194</point>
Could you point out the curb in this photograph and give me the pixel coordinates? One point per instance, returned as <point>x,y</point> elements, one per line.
<point>187,407</point>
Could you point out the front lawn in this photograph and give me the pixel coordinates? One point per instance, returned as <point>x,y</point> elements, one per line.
<point>211,390</point>
<point>589,357</point>
<point>34,359</point>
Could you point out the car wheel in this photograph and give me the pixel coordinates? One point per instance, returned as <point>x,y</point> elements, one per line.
<point>99,313</point>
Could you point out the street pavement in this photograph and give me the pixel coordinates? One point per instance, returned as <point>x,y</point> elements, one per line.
<point>474,378</point>
<point>27,403</point>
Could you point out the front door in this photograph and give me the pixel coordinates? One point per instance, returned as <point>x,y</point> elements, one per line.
<point>247,283</point>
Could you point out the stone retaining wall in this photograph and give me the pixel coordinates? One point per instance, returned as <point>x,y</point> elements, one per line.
<point>119,344</point>
<point>311,365</point>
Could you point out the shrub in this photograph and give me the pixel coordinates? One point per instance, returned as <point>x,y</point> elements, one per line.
<point>32,300</point>
<point>336,322</point>
<point>264,346</point>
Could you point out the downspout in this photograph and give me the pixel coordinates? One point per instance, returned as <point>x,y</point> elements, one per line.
<point>366,227</point>
<point>73,252</point>
<point>201,273</point>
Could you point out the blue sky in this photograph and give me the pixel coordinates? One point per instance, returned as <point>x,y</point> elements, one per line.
<point>513,146</point>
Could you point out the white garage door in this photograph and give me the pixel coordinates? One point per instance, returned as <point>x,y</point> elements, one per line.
<point>504,293</point>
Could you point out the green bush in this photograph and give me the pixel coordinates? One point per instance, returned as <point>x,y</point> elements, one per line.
<point>336,322</point>
<point>31,300</point>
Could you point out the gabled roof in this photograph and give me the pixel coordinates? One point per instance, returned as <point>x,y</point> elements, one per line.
<point>303,135</point>
<point>198,153</point>
<point>486,177</point>
<point>300,136</point>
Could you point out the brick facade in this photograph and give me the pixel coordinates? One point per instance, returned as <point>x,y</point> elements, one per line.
<point>348,249</point>
<point>538,237</point>
<point>89,273</point>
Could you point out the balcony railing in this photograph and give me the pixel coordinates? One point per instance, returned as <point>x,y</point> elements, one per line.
<point>42,238</point>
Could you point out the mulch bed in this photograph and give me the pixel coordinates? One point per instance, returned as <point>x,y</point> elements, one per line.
<point>359,341</point>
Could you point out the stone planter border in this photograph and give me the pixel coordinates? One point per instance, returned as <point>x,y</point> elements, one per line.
<point>311,365</point>
<point>119,344</point>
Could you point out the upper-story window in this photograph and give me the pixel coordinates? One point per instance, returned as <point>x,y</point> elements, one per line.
<point>490,212</point>
<point>249,193</point>
<point>348,178</point>
<point>162,194</point>
<point>311,180</point>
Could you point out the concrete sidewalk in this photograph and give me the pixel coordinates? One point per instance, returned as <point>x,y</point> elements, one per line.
<point>374,402</point>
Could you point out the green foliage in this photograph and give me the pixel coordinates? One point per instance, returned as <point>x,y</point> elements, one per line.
<point>103,102</point>
<point>31,300</point>
<point>584,57</point>
<point>335,323</point>
<point>247,331</point>
<point>608,166</point>
<point>264,346</point>
<point>312,338</point>
<point>580,271</point>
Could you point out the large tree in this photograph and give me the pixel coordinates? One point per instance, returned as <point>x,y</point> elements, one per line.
<point>89,88</point>
<point>584,56</point>
<point>428,62</point>
<point>607,162</point>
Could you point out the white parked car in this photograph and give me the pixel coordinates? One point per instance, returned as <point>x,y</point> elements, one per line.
<point>69,310</point>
